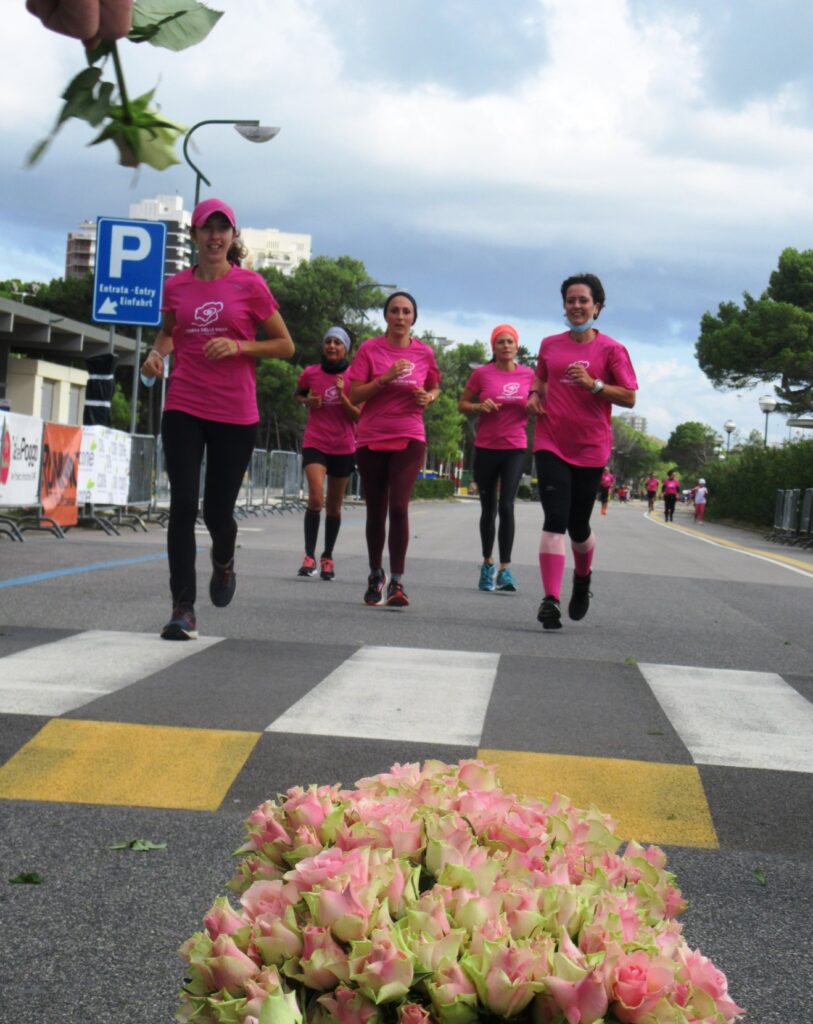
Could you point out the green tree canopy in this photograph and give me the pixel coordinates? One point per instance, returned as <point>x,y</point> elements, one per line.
<point>690,447</point>
<point>322,293</point>
<point>634,454</point>
<point>281,419</point>
<point>768,339</point>
<point>444,428</point>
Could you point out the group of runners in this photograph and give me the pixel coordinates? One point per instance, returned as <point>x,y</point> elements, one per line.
<point>370,412</point>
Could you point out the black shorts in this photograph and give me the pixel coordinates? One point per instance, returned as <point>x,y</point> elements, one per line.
<point>336,465</point>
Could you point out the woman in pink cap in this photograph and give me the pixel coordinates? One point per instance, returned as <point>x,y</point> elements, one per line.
<point>580,375</point>
<point>212,313</point>
<point>498,394</point>
<point>396,377</point>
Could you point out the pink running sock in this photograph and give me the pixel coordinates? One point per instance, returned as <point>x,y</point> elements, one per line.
<point>583,555</point>
<point>552,562</point>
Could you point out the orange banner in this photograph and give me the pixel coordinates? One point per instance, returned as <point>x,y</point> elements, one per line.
<point>60,467</point>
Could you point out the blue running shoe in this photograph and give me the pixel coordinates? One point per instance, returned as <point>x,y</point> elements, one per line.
<point>505,581</point>
<point>487,574</point>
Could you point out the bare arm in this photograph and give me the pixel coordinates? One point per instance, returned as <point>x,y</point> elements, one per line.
<point>277,344</point>
<point>612,393</point>
<point>153,365</point>
<point>361,391</point>
<point>469,407</point>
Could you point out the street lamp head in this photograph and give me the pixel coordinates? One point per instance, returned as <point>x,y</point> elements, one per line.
<point>729,426</point>
<point>257,132</point>
<point>767,403</point>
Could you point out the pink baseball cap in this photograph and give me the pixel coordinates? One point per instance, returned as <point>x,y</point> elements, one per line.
<point>203,211</point>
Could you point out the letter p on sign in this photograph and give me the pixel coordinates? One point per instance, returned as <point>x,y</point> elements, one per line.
<point>120,250</point>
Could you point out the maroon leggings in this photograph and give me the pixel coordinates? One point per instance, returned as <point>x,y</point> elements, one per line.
<point>388,479</point>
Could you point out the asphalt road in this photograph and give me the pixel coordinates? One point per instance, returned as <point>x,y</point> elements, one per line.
<point>681,705</point>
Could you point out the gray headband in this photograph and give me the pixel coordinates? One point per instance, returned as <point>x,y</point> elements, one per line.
<point>341,334</point>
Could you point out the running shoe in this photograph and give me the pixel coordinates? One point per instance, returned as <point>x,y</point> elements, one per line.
<point>580,597</point>
<point>182,625</point>
<point>550,614</point>
<point>396,598</point>
<point>375,587</point>
<point>223,582</point>
<point>487,574</point>
<point>327,569</point>
<point>505,581</point>
<point>308,567</point>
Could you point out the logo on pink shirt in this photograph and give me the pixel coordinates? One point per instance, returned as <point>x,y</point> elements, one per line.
<point>208,313</point>
<point>579,362</point>
<point>510,390</point>
<point>331,395</point>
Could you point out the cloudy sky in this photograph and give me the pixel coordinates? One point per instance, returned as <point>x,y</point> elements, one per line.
<point>474,153</point>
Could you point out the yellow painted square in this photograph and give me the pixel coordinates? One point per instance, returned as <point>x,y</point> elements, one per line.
<point>653,803</point>
<point>129,765</point>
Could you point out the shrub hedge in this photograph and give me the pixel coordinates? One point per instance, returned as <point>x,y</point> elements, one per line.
<point>438,488</point>
<point>744,486</point>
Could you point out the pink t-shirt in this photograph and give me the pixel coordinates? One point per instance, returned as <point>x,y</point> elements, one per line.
<point>607,480</point>
<point>509,389</point>
<point>233,306</point>
<point>392,413</point>
<point>329,428</point>
<point>671,486</point>
<point>652,484</point>
<point>577,426</point>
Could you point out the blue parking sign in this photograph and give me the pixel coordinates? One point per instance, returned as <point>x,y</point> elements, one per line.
<point>129,280</point>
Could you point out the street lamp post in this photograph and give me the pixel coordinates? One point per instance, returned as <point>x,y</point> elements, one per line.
<point>767,404</point>
<point>251,130</point>
<point>729,427</point>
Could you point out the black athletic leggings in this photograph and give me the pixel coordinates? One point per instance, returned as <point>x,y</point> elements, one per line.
<point>669,502</point>
<point>388,479</point>
<point>568,494</point>
<point>228,448</point>
<point>497,474</point>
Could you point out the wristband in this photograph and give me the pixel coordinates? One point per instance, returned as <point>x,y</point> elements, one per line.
<point>380,382</point>
<point>239,345</point>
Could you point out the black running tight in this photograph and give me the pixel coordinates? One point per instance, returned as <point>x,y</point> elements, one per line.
<point>388,479</point>
<point>497,474</point>
<point>228,448</point>
<point>568,494</point>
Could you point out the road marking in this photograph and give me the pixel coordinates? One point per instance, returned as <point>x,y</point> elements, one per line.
<point>737,719</point>
<point>399,693</point>
<point>783,561</point>
<point>55,573</point>
<point>57,677</point>
<point>127,765</point>
<point>654,803</point>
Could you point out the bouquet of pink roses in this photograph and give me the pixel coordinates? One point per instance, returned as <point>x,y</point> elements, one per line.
<point>427,894</point>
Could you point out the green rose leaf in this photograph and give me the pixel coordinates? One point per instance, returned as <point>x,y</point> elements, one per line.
<point>759,874</point>
<point>138,845</point>
<point>173,24</point>
<point>27,878</point>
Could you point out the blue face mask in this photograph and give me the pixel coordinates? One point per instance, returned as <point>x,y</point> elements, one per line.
<point>579,328</point>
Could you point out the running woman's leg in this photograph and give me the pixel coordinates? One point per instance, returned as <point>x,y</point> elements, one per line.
<point>183,441</point>
<point>403,472</point>
<point>374,470</point>
<point>511,467</point>
<point>554,476</point>
<point>315,478</point>
<point>228,453</point>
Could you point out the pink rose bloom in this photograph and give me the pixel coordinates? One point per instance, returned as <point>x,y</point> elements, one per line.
<point>413,1013</point>
<point>638,983</point>
<point>229,967</point>
<point>253,869</point>
<point>223,919</point>
<point>347,1006</point>
<point>431,954</point>
<point>265,828</point>
<point>477,775</point>
<point>269,898</point>
<point>309,807</point>
<point>330,864</point>
<point>507,978</point>
<point>583,1001</point>
<point>279,938</point>
<point>323,964</point>
<point>408,776</point>
<point>704,976</point>
<point>427,916</point>
<point>381,969</point>
<point>495,930</point>
<point>453,995</point>
<point>522,912</point>
<point>341,910</point>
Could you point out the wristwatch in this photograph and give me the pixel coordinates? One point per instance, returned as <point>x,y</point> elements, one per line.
<point>597,387</point>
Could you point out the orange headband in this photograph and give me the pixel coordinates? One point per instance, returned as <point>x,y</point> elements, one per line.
<point>504,329</point>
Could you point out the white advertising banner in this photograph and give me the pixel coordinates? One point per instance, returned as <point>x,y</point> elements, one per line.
<point>104,466</point>
<point>20,457</point>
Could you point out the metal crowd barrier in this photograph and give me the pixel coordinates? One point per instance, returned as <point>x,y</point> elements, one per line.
<point>284,482</point>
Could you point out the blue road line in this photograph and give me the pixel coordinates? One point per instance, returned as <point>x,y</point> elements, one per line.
<point>38,577</point>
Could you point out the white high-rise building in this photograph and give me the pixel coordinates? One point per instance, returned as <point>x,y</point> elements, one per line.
<point>268,247</point>
<point>634,420</point>
<point>80,252</point>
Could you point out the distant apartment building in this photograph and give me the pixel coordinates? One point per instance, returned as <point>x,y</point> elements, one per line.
<point>636,422</point>
<point>80,252</point>
<point>80,256</point>
<point>268,247</point>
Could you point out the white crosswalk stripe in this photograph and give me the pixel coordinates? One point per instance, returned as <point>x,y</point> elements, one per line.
<point>58,677</point>
<point>738,719</point>
<point>399,693</point>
